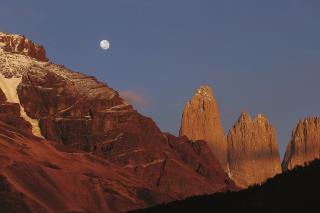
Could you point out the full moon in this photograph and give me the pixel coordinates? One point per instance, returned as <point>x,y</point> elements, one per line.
<point>105,44</point>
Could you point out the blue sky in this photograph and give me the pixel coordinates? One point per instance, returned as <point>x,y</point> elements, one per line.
<point>259,56</point>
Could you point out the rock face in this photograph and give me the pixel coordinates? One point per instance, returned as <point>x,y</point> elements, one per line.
<point>252,151</point>
<point>201,121</point>
<point>21,45</point>
<point>10,114</point>
<point>304,145</point>
<point>198,155</point>
<point>41,176</point>
<point>78,112</point>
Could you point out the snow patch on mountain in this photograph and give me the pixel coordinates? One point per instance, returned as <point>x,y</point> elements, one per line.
<point>9,88</point>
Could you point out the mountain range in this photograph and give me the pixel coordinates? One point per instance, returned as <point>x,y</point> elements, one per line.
<point>69,143</point>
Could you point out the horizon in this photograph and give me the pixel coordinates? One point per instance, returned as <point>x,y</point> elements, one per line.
<point>257,57</point>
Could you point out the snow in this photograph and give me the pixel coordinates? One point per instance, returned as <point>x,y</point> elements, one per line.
<point>145,165</point>
<point>9,87</point>
<point>17,65</point>
<point>130,151</point>
<point>203,91</point>
<point>10,35</point>
<point>152,163</point>
<point>260,118</point>
<point>228,170</point>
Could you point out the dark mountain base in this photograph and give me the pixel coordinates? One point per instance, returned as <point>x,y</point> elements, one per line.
<point>11,201</point>
<point>294,191</point>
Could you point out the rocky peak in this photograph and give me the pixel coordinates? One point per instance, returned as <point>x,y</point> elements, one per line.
<point>201,121</point>
<point>304,145</point>
<point>252,150</point>
<point>204,92</point>
<point>19,44</point>
<point>244,117</point>
<point>259,119</point>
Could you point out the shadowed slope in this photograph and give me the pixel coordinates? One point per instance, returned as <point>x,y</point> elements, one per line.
<point>40,177</point>
<point>293,191</point>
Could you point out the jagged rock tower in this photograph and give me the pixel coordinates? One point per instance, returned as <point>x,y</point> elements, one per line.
<point>201,121</point>
<point>252,151</point>
<point>304,144</point>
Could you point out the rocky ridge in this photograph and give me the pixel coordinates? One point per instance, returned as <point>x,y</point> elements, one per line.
<point>21,45</point>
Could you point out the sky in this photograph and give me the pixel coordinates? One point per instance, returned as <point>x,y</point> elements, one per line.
<point>258,56</point>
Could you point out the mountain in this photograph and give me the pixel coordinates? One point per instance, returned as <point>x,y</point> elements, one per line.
<point>252,151</point>
<point>21,45</point>
<point>249,146</point>
<point>293,191</point>
<point>62,108</point>
<point>37,175</point>
<point>201,121</point>
<point>304,145</point>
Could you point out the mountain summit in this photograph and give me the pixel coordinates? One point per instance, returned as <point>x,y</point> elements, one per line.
<point>201,121</point>
<point>304,145</point>
<point>19,44</point>
<point>252,150</point>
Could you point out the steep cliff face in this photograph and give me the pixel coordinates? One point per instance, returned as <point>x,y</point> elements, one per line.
<point>293,191</point>
<point>81,113</point>
<point>252,151</point>
<point>201,121</point>
<point>304,145</point>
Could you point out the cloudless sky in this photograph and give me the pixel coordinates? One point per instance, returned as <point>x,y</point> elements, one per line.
<point>258,55</point>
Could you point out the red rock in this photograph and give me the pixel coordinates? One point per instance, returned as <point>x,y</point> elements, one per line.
<point>10,114</point>
<point>201,121</point>
<point>252,151</point>
<point>304,145</point>
<point>2,97</point>
<point>81,113</point>
<point>41,176</point>
<point>198,155</point>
